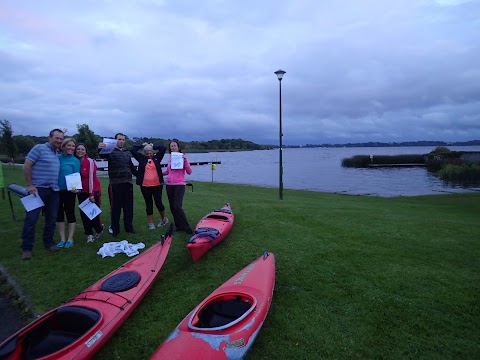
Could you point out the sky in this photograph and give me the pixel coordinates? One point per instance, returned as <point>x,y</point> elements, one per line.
<point>356,71</point>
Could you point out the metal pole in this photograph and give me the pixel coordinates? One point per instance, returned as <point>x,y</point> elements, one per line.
<point>280,188</point>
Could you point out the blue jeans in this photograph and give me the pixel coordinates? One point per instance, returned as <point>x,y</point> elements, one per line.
<point>51,200</point>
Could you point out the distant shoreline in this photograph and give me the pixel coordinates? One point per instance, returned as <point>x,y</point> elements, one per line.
<point>380,144</point>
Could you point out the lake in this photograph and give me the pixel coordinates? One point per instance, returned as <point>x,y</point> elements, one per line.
<point>319,169</point>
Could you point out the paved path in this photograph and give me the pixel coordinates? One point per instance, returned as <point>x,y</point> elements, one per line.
<point>10,318</point>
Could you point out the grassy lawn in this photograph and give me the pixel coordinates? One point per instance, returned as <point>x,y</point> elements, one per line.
<point>357,277</point>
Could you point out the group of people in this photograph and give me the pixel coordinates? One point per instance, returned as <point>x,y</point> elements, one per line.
<point>47,165</point>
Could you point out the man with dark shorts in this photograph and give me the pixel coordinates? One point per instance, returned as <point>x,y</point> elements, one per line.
<point>120,189</point>
<point>41,175</point>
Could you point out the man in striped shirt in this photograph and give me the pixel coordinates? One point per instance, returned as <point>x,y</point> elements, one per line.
<point>41,175</point>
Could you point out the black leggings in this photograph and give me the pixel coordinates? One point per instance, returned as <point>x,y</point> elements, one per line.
<point>154,192</point>
<point>95,223</point>
<point>67,206</point>
<point>175,198</point>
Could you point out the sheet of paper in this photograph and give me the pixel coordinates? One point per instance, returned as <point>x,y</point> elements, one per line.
<point>90,209</point>
<point>31,202</point>
<point>110,145</point>
<point>74,182</point>
<point>177,160</point>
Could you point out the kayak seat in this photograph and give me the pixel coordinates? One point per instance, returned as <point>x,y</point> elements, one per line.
<point>218,217</point>
<point>121,282</point>
<point>207,229</point>
<point>222,312</point>
<point>65,327</point>
<point>75,319</point>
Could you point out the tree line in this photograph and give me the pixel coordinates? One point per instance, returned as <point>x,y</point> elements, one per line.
<point>17,146</point>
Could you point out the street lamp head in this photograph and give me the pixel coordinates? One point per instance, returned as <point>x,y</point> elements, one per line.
<point>280,74</point>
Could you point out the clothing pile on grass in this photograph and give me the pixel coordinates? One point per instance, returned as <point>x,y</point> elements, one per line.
<point>118,247</point>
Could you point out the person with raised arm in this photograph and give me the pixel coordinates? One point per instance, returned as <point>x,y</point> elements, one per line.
<point>150,179</point>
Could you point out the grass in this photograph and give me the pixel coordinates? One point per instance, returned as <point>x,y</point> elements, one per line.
<point>357,277</point>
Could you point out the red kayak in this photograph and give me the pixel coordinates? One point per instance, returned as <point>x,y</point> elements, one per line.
<point>210,230</point>
<point>226,323</point>
<point>80,327</point>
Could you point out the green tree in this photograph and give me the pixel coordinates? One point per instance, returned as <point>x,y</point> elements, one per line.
<point>88,137</point>
<point>7,139</point>
<point>24,144</point>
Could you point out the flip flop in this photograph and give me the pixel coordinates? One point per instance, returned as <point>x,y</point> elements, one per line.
<point>68,244</point>
<point>61,243</point>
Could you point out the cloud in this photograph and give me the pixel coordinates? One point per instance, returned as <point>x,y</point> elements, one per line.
<point>369,71</point>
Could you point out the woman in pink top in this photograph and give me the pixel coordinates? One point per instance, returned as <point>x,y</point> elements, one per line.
<point>176,189</point>
<point>90,190</point>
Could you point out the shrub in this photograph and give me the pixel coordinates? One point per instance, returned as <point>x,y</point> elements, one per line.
<point>357,161</point>
<point>365,160</point>
<point>464,173</point>
<point>440,150</point>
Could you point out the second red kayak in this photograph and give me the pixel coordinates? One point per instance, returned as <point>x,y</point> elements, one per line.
<point>225,324</point>
<point>210,230</point>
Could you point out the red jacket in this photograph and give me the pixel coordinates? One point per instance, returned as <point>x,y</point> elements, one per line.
<point>88,173</point>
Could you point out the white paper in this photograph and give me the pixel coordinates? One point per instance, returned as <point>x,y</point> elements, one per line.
<point>90,209</point>
<point>177,161</point>
<point>74,182</point>
<point>31,202</point>
<point>110,145</point>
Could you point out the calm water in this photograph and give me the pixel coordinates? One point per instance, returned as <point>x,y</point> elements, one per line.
<point>320,170</point>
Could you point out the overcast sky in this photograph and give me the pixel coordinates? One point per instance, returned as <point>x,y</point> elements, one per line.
<point>356,70</point>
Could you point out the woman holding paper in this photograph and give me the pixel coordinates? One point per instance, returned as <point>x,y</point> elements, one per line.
<point>178,165</point>
<point>69,165</point>
<point>150,179</point>
<point>91,190</point>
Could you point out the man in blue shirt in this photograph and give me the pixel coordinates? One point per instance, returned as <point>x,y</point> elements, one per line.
<point>41,175</point>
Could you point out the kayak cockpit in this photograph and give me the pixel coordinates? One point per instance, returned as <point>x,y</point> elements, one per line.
<point>217,217</point>
<point>222,312</point>
<point>64,327</point>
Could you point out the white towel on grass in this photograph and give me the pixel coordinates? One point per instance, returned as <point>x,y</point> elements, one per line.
<point>117,247</point>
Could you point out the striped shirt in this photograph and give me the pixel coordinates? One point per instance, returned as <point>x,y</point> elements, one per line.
<point>46,166</point>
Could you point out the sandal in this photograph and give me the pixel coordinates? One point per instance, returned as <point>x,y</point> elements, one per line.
<point>68,244</point>
<point>61,243</point>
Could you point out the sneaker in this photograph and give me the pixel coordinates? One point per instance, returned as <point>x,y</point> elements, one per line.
<point>163,223</point>
<point>132,231</point>
<point>89,238</point>
<point>151,226</point>
<point>97,235</point>
<point>110,231</point>
<point>27,255</point>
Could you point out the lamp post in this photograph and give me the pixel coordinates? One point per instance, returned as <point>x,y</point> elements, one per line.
<point>280,74</point>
